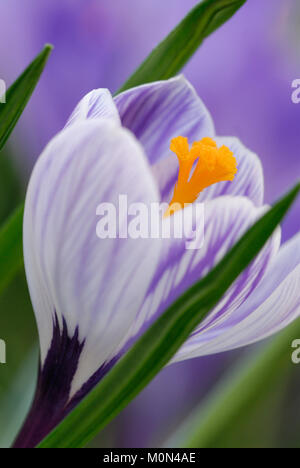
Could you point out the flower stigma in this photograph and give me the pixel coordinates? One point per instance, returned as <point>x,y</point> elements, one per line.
<point>200,166</point>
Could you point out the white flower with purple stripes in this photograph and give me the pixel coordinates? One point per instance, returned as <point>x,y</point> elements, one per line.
<point>92,297</point>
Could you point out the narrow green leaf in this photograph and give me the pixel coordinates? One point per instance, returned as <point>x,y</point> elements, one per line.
<point>10,186</point>
<point>18,396</point>
<point>252,379</point>
<point>168,58</point>
<point>11,252</point>
<point>19,94</point>
<point>161,341</point>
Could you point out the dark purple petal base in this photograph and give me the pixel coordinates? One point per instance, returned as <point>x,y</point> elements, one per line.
<point>51,402</point>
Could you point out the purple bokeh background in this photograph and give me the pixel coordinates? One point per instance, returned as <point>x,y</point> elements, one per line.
<point>243,73</point>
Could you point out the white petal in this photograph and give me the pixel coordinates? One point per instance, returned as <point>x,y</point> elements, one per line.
<point>225,220</point>
<point>96,104</point>
<point>95,285</point>
<point>157,112</point>
<point>272,306</point>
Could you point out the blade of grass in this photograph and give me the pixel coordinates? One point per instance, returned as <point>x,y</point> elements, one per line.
<point>15,402</point>
<point>161,341</point>
<point>10,186</point>
<point>253,378</point>
<point>19,94</point>
<point>168,58</point>
<point>11,249</point>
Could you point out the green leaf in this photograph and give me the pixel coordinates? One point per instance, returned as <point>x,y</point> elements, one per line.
<point>10,185</point>
<point>19,94</point>
<point>168,58</point>
<point>11,252</point>
<point>15,402</point>
<point>161,341</point>
<point>253,378</point>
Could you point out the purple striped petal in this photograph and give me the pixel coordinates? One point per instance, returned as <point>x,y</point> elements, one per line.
<point>157,112</point>
<point>96,104</point>
<point>226,219</point>
<point>91,288</point>
<point>274,304</point>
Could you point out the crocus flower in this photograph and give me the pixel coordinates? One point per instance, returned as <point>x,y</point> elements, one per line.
<point>92,297</point>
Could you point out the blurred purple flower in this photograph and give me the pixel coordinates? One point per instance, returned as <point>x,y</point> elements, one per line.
<point>91,297</point>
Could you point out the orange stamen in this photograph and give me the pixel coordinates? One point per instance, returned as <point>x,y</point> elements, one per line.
<point>211,165</point>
